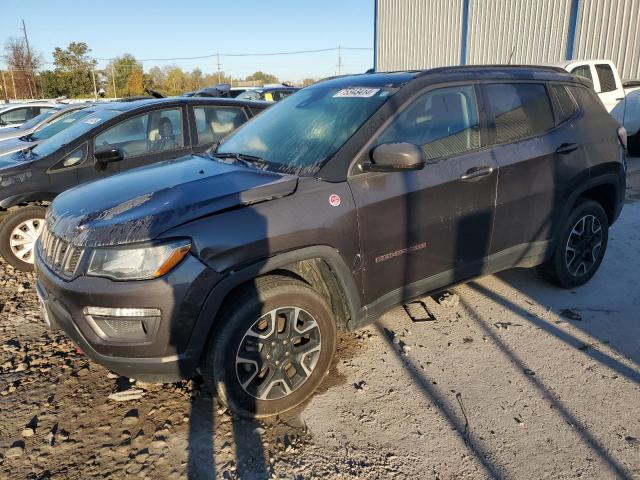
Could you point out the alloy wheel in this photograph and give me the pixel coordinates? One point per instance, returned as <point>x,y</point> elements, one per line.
<point>278,353</point>
<point>23,239</point>
<point>583,245</point>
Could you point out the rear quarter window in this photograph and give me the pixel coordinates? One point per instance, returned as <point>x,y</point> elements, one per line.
<point>588,101</point>
<point>563,103</point>
<point>521,110</point>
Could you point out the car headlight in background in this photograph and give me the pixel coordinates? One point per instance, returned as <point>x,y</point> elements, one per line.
<point>138,263</point>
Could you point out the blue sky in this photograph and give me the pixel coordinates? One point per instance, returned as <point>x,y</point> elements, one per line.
<point>163,29</point>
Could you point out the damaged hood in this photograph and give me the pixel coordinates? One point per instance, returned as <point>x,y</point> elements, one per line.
<point>141,204</point>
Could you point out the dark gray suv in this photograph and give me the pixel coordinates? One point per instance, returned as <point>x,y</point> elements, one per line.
<point>342,201</point>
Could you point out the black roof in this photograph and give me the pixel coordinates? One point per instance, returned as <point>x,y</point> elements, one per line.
<point>128,106</point>
<point>475,72</point>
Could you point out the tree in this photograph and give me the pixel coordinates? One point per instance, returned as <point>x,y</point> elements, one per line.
<point>262,77</point>
<point>118,70</point>
<point>135,82</point>
<point>23,64</point>
<point>73,71</point>
<point>176,80</point>
<point>308,81</point>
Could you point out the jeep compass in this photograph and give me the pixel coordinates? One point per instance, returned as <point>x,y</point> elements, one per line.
<point>345,199</point>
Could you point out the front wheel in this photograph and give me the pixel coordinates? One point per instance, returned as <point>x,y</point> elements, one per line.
<point>274,346</point>
<point>19,231</point>
<point>581,245</point>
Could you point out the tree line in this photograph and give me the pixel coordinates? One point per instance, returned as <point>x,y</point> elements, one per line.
<point>75,75</point>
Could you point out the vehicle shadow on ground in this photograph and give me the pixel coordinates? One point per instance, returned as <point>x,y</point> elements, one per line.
<point>579,427</point>
<point>204,428</point>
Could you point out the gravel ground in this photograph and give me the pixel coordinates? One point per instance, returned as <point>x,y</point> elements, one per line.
<point>505,377</point>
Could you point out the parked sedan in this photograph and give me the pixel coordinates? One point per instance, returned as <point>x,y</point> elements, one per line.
<point>112,138</point>
<point>15,114</point>
<point>42,127</point>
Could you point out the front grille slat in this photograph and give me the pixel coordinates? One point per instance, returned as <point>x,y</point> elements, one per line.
<point>60,256</point>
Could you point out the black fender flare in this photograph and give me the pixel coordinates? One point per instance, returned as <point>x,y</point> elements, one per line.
<point>207,318</point>
<point>610,178</point>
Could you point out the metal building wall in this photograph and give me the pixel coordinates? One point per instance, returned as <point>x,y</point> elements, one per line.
<point>413,34</point>
<point>610,29</point>
<point>517,31</point>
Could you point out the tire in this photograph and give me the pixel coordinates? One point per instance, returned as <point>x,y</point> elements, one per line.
<point>575,258</point>
<point>304,358</point>
<point>19,226</point>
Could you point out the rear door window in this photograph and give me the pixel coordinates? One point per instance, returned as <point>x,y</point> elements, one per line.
<point>606,78</point>
<point>563,103</point>
<point>521,110</point>
<point>213,123</point>
<point>443,122</point>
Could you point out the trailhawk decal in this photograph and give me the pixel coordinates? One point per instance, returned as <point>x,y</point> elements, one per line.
<point>398,253</point>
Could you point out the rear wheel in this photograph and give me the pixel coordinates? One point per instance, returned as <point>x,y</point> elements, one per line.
<point>275,345</point>
<point>580,248</point>
<point>19,231</point>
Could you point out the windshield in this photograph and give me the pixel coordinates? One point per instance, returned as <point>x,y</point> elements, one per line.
<point>74,131</point>
<point>300,133</point>
<point>38,118</point>
<point>59,124</point>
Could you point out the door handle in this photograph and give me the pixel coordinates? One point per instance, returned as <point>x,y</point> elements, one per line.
<point>477,172</point>
<point>619,99</point>
<point>566,148</point>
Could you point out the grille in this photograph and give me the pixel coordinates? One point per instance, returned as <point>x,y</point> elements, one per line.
<point>60,256</point>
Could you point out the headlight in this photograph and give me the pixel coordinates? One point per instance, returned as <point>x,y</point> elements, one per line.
<point>140,263</point>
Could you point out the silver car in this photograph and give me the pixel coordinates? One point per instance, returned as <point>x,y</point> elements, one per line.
<point>15,114</point>
<point>56,120</point>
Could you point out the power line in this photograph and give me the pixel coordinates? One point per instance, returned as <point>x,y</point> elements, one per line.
<point>262,54</point>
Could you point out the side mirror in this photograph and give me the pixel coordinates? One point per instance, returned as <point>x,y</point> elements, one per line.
<point>107,154</point>
<point>395,157</point>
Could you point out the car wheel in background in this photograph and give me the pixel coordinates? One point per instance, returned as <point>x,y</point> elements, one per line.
<point>580,248</point>
<point>274,345</point>
<point>19,231</point>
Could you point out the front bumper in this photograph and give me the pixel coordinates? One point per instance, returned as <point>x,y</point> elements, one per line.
<point>169,354</point>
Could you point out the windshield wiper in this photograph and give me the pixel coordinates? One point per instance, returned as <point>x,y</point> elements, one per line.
<point>250,160</point>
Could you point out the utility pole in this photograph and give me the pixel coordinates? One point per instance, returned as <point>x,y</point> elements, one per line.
<point>41,87</point>
<point>113,79</point>
<point>13,82</point>
<point>218,57</point>
<point>29,63</point>
<point>93,76</point>
<point>339,60</point>
<point>4,88</point>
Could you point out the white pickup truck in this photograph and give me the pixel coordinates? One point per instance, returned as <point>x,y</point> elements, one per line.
<point>621,99</point>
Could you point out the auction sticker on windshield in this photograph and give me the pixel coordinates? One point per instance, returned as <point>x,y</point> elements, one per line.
<point>356,92</point>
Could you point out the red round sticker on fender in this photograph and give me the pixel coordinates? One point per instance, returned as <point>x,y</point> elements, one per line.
<point>334,200</point>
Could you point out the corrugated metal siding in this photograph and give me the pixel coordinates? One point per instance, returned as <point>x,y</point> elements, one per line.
<point>610,29</point>
<point>413,34</point>
<point>516,31</point>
